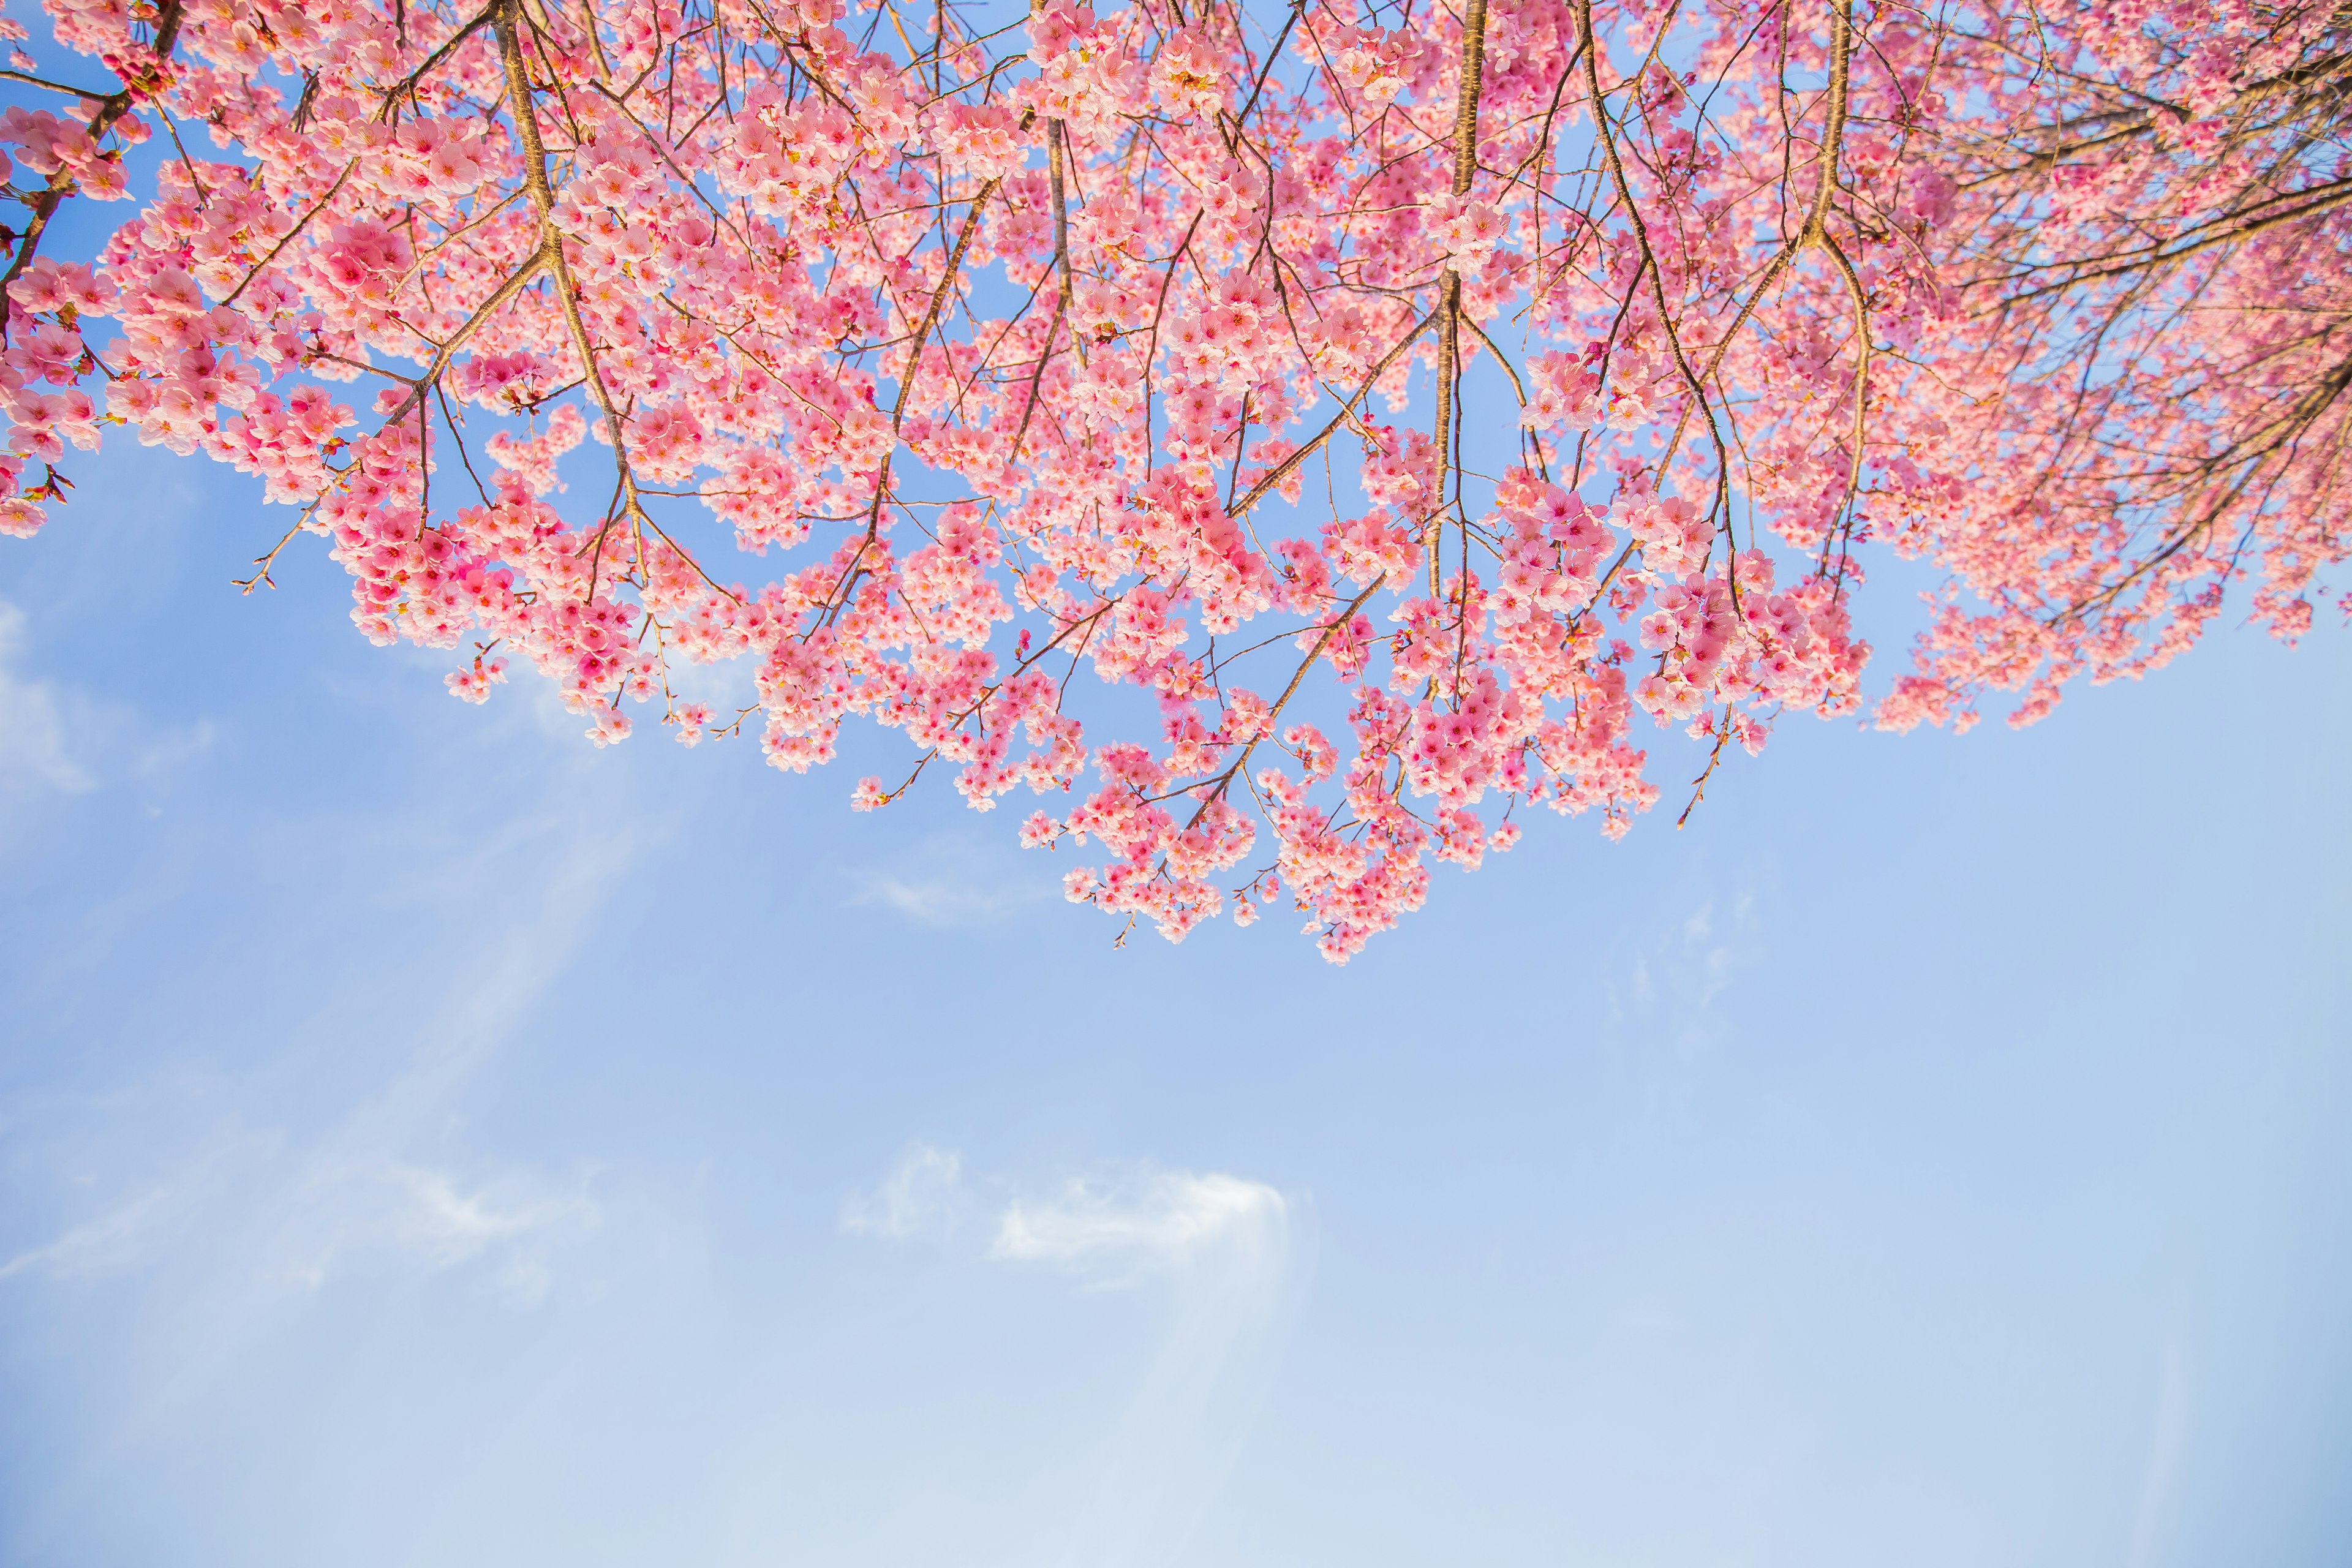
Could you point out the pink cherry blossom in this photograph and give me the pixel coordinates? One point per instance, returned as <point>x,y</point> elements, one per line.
<point>1175,349</point>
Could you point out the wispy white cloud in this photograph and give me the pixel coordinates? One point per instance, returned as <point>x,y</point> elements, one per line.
<point>1674,980</point>
<point>416,1216</point>
<point>1109,1226</point>
<point>105,1244</point>
<point>1712,959</point>
<point>239,1208</point>
<point>1222,1246</point>
<point>919,1195</point>
<point>168,750</point>
<point>949,881</point>
<point>367,1198</point>
<point>33,724</point>
<point>1225,1251</point>
<point>946,899</point>
<point>57,739</point>
<point>1142,1219</point>
<point>319,1222</point>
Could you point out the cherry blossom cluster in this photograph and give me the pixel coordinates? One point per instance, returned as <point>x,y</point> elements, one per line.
<point>2147,238</point>
<point>1410,404</point>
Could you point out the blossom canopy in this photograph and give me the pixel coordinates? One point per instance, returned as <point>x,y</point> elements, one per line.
<point>1041,352</point>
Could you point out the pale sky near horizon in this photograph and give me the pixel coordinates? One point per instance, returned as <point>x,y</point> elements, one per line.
<point>424,1139</point>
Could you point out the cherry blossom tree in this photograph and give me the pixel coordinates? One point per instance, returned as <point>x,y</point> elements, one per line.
<point>1407,405</point>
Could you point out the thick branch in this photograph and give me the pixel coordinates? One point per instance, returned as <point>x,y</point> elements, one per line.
<point>111,107</point>
<point>1449,327</point>
<point>1289,465</point>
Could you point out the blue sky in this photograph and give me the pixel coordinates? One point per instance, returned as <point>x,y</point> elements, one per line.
<point>424,1139</point>
<point>427,1140</point>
